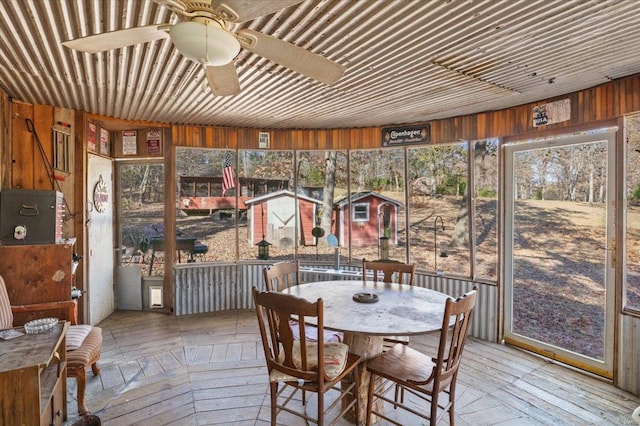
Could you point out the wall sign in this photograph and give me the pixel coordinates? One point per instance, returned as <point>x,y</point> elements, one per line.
<point>104,141</point>
<point>154,142</point>
<point>263,140</point>
<point>129,142</point>
<point>92,131</point>
<point>406,135</point>
<point>100,195</point>
<point>553,112</point>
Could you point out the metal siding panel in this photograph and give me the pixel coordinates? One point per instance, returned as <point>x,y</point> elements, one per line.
<point>484,324</point>
<point>629,354</point>
<point>212,288</point>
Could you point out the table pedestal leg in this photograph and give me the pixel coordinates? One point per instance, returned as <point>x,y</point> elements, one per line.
<point>367,347</point>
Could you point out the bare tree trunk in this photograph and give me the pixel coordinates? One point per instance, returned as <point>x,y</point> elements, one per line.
<point>460,236</point>
<point>591,185</point>
<point>143,183</point>
<point>327,196</point>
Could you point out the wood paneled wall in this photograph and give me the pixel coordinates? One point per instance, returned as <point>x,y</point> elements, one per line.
<point>5,140</point>
<point>601,103</point>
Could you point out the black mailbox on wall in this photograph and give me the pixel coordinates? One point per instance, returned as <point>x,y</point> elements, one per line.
<point>31,216</point>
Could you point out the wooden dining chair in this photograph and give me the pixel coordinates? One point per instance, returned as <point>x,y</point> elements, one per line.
<point>302,365</point>
<point>420,374</point>
<point>392,272</point>
<point>283,275</point>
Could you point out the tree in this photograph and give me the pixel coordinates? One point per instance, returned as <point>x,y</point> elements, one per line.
<point>327,194</point>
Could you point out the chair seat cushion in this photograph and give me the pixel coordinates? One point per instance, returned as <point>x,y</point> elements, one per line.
<point>335,360</point>
<point>88,352</point>
<point>311,333</point>
<point>76,335</point>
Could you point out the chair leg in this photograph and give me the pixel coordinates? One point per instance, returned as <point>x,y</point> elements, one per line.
<point>81,380</point>
<point>357,378</point>
<point>434,409</point>
<point>370,399</point>
<point>320,408</point>
<point>95,368</point>
<point>452,401</point>
<point>274,399</point>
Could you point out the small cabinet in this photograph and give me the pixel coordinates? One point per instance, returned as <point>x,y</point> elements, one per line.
<point>37,273</point>
<point>33,371</point>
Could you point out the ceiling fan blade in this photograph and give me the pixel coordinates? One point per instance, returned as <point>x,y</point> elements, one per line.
<point>291,56</point>
<point>116,39</point>
<point>246,10</point>
<point>223,79</point>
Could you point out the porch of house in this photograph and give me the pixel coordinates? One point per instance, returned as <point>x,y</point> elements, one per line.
<point>209,369</point>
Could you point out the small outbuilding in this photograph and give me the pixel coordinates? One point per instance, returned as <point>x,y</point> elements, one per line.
<point>371,217</point>
<point>274,217</point>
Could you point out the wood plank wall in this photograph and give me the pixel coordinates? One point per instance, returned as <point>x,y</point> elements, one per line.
<point>5,140</point>
<point>590,106</point>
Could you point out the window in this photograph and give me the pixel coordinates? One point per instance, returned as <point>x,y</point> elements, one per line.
<point>206,218</point>
<point>376,226</point>
<point>439,208</point>
<point>485,208</point>
<point>632,214</point>
<point>141,214</point>
<point>360,212</point>
<point>295,200</point>
<point>321,180</point>
<point>268,203</point>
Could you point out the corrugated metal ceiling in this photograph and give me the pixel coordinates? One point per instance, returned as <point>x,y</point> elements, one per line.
<point>406,60</point>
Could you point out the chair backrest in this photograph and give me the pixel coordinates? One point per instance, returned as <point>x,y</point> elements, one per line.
<point>453,338</point>
<point>392,271</point>
<point>6,315</point>
<point>282,352</point>
<point>282,275</point>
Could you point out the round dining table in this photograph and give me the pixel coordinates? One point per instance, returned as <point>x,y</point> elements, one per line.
<point>366,311</point>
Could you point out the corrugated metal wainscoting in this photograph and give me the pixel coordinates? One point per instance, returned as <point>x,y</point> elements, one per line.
<point>200,288</point>
<point>629,354</point>
<point>484,324</point>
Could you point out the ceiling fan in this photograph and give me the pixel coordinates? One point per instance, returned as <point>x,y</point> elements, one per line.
<point>204,34</point>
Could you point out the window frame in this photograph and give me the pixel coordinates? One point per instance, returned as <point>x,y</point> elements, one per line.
<point>354,207</point>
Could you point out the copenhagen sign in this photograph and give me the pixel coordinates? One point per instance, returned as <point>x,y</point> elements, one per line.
<point>406,135</point>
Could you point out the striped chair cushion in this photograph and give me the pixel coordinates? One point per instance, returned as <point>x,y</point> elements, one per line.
<point>335,359</point>
<point>6,316</point>
<point>76,335</point>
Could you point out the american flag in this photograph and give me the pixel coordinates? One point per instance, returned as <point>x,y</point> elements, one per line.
<point>228,177</point>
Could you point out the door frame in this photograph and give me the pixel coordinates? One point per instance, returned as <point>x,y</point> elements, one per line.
<point>601,367</point>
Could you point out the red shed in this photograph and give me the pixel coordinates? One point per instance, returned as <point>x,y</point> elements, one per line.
<point>372,216</point>
<point>274,216</point>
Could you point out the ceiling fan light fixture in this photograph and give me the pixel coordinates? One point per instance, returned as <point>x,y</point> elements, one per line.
<point>205,42</point>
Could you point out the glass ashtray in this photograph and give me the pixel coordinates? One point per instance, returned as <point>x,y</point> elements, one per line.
<point>40,325</point>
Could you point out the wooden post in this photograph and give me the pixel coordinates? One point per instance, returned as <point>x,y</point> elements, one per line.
<point>367,347</point>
